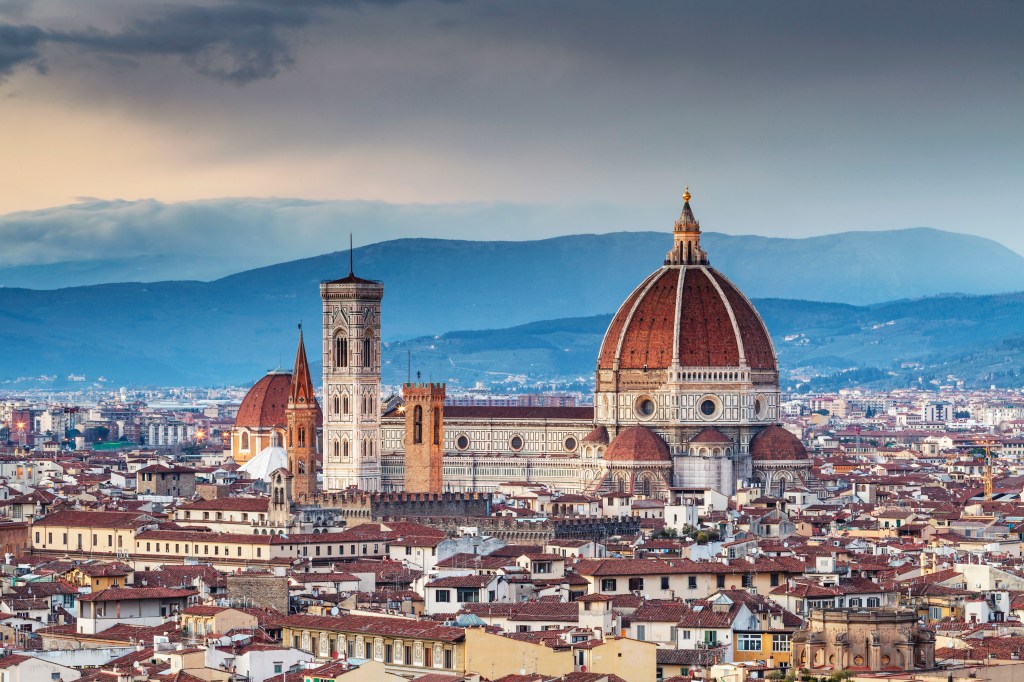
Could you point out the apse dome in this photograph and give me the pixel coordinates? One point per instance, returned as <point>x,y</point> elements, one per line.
<point>637,444</point>
<point>776,444</point>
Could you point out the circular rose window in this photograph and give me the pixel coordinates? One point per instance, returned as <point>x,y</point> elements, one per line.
<point>760,407</point>
<point>570,444</point>
<point>462,442</point>
<point>708,407</point>
<point>645,407</point>
<point>516,442</point>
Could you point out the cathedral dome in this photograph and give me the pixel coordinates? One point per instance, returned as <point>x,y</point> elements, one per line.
<point>686,314</point>
<point>265,403</point>
<point>637,444</point>
<point>774,444</point>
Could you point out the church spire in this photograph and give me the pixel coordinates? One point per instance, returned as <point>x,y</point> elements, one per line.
<point>301,392</point>
<point>686,233</point>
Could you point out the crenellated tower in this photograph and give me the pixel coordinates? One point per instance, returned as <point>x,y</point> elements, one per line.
<point>351,362</point>
<point>424,437</point>
<point>303,415</point>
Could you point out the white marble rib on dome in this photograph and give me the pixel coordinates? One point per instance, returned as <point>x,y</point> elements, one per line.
<point>270,459</point>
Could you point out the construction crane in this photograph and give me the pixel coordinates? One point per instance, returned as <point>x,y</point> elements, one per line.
<point>987,476</point>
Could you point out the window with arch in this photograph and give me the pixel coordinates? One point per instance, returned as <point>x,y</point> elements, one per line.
<point>302,437</point>
<point>344,448</point>
<point>645,487</point>
<point>620,485</point>
<point>340,351</point>
<point>344,404</point>
<point>301,466</point>
<point>417,424</point>
<point>337,405</point>
<point>337,449</point>
<point>244,444</point>
<point>437,426</point>
<point>368,349</point>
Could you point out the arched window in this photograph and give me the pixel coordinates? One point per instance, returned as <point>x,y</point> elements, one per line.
<point>620,484</point>
<point>337,449</point>
<point>244,440</point>
<point>437,426</point>
<point>344,404</point>
<point>645,487</point>
<point>344,448</point>
<point>302,467</point>
<point>337,405</point>
<point>302,436</point>
<point>368,349</point>
<point>275,439</point>
<point>340,351</point>
<point>417,424</point>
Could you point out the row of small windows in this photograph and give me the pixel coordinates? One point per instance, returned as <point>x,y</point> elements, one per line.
<point>340,404</point>
<point>341,350</point>
<point>340,449</point>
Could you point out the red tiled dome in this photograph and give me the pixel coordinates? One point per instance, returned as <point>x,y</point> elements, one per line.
<point>708,324</point>
<point>599,435</point>
<point>710,435</point>
<point>775,443</point>
<point>637,444</point>
<point>265,403</point>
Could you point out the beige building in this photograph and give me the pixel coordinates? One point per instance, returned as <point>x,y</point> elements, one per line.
<point>495,656</point>
<point>405,646</point>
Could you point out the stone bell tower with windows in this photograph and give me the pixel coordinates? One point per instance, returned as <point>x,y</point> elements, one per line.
<point>302,414</point>
<point>424,437</point>
<point>351,362</point>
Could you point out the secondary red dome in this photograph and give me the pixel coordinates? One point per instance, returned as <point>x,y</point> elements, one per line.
<point>265,403</point>
<point>775,443</point>
<point>691,314</point>
<point>637,444</point>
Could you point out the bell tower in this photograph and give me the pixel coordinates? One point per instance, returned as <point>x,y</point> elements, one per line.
<point>303,414</point>
<point>351,362</point>
<point>424,437</point>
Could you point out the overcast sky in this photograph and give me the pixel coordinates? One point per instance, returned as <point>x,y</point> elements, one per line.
<point>785,118</point>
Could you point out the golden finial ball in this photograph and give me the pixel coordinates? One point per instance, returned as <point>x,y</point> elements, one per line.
<point>686,194</point>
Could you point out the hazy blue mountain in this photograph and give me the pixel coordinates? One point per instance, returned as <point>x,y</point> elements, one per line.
<point>233,329</point>
<point>848,267</point>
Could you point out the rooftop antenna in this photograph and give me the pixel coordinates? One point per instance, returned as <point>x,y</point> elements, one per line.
<point>351,261</point>
<point>408,374</point>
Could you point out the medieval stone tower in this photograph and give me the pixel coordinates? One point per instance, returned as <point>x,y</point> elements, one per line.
<point>424,437</point>
<point>303,414</point>
<point>351,361</point>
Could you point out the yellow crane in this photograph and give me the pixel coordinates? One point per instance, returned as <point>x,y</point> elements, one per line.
<point>987,476</point>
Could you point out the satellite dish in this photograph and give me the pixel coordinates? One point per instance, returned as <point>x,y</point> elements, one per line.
<point>334,611</point>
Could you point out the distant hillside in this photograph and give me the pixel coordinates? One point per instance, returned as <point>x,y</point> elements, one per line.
<point>977,339</point>
<point>848,267</point>
<point>232,329</point>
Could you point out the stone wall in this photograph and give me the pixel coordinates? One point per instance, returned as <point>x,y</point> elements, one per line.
<point>258,589</point>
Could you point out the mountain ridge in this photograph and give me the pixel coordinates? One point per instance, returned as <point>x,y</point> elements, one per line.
<point>227,330</point>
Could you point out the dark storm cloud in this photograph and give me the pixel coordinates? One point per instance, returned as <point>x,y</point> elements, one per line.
<point>19,46</point>
<point>236,42</point>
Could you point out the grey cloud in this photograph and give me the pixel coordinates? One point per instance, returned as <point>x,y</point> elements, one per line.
<point>237,42</point>
<point>19,45</point>
<point>255,232</point>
